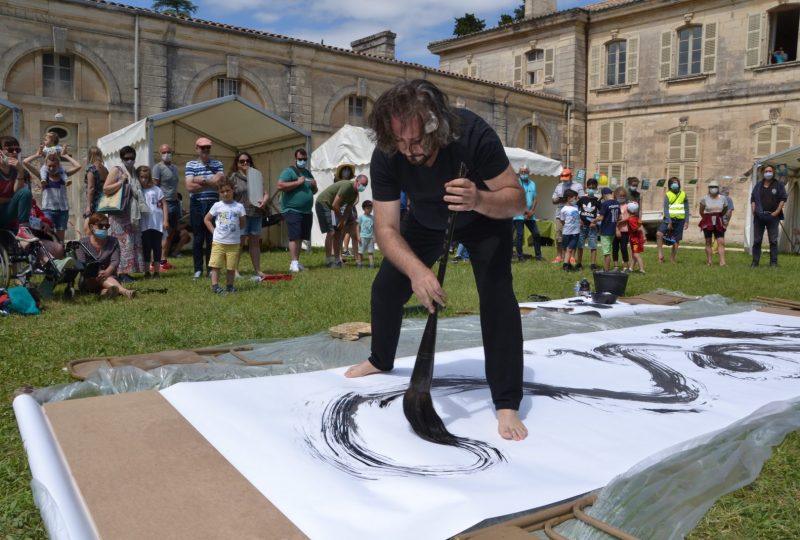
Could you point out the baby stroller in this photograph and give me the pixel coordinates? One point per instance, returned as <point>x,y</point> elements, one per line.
<point>31,265</point>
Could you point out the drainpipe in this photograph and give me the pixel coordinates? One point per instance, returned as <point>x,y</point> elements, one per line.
<point>569,135</point>
<point>136,69</point>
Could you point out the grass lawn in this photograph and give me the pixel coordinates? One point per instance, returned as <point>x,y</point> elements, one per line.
<point>35,349</point>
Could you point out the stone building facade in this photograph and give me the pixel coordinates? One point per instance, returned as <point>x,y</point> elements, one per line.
<point>87,67</point>
<point>676,88</point>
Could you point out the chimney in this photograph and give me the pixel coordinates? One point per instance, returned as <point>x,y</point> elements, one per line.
<point>380,44</point>
<point>537,8</point>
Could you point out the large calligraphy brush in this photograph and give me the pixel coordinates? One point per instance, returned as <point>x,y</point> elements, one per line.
<point>417,401</point>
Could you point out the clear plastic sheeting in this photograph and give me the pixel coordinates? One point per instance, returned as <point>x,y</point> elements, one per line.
<point>320,351</point>
<point>666,496</point>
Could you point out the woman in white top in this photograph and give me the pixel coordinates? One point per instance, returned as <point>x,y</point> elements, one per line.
<point>713,208</point>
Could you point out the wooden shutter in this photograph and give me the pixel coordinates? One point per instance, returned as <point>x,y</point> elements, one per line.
<point>689,173</point>
<point>605,141</point>
<point>549,65</point>
<point>594,67</point>
<point>783,138</point>
<point>604,169</point>
<point>710,48</point>
<point>518,70</point>
<point>689,146</point>
<point>666,55</point>
<point>633,60</point>
<point>753,57</point>
<point>674,152</point>
<point>616,146</point>
<point>764,141</point>
<point>674,169</point>
<point>616,172</point>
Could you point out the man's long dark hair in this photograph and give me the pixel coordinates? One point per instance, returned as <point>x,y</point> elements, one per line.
<point>414,99</point>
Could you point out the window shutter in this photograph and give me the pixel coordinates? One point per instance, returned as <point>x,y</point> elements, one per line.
<point>633,60</point>
<point>674,169</point>
<point>674,147</point>
<point>690,146</point>
<point>783,138</point>
<point>616,172</point>
<point>603,169</point>
<point>764,141</point>
<point>549,65</point>
<point>666,55</point>
<point>689,173</point>
<point>753,58</point>
<point>605,141</point>
<point>710,48</point>
<point>616,148</point>
<point>594,67</point>
<point>518,70</point>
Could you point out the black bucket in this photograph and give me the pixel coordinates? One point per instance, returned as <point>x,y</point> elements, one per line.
<point>612,282</point>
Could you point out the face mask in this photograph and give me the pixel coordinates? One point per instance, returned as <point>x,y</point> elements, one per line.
<point>675,187</point>
<point>523,177</point>
<point>713,190</point>
<point>128,162</point>
<point>101,234</point>
<point>621,200</point>
<point>571,202</point>
<point>566,181</point>
<point>362,188</point>
<point>166,156</point>
<point>301,163</point>
<point>768,175</point>
<point>591,192</point>
<point>633,189</point>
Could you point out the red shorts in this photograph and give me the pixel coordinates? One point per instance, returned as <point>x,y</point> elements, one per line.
<point>637,243</point>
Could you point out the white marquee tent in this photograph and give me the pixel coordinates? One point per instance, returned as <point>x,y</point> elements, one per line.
<point>232,123</point>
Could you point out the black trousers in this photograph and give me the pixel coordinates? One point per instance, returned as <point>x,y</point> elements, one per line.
<point>201,236</point>
<point>151,246</point>
<point>772,226</point>
<point>489,244</point>
<point>620,243</point>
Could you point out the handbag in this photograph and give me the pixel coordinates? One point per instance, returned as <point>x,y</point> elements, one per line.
<point>116,203</point>
<point>271,218</point>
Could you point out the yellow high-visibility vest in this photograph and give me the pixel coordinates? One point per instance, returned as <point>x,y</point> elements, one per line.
<point>676,209</point>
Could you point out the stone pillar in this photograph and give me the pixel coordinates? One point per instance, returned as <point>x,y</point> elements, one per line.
<point>380,44</point>
<point>153,83</point>
<point>537,8</point>
<point>300,96</point>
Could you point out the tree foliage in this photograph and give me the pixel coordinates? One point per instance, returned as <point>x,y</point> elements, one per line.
<point>468,24</point>
<point>519,14</point>
<point>181,8</point>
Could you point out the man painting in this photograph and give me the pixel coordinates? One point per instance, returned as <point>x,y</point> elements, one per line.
<point>422,145</point>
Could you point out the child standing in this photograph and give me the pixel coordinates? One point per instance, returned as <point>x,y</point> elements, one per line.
<point>636,235</point>
<point>607,217</point>
<point>50,146</point>
<point>571,226</point>
<point>53,177</point>
<point>152,223</point>
<point>587,207</point>
<point>621,240</point>
<point>366,227</point>
<point>230,220</point>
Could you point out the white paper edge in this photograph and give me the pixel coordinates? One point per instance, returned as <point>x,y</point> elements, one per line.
<point>66,518</point>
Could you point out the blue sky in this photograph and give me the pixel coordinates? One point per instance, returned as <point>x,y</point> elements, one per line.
<point>338,22</point>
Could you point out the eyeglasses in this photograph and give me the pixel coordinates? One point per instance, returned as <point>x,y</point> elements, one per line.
<point>204,148</point>
<point>128,158</point>
<point>103,225</point>
<point>243,161</point>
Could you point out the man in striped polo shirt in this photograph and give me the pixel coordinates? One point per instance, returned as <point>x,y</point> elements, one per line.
<point>202,182</point>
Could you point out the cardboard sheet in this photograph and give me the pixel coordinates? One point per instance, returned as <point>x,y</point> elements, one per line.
<point>337,457</point>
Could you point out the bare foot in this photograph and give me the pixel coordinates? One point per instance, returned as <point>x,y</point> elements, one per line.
<point>510,426</point>
<point>360,370</point>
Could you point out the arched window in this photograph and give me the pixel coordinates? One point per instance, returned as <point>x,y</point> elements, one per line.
<point>220,86</point>
<point>353,110</point>
<point>63,76</point>
<point>533,138</point>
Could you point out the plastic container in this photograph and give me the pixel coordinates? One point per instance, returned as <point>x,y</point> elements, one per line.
<point>613,282</point>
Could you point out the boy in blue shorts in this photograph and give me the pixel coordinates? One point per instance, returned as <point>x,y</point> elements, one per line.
<point>366,235</point>
<point>587,207</point>
<point>571,226</point>
<point>607,217</point>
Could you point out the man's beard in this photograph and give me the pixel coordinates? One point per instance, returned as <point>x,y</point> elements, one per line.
<point>418,159</point>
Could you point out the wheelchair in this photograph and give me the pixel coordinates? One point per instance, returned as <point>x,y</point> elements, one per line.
<point>34,267</point>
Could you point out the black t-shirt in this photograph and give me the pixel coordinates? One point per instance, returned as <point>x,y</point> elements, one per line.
<point>769,197</point>
<point>477,146</point>
<point>588,206</point>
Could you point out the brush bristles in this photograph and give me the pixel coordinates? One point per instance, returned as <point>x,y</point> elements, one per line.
<point>419,411</point>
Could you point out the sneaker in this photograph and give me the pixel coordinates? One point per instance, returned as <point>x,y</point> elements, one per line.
<point>347,253</point>
<point>538,258</point>
<point>24,234</point>
<point>231,289</point>
<point>256,278</point>
<point>753,264</point>
<point>166,265</point>
<point>216,289</point>
<point>557,260</point>
<point>337,264</point>
<point>294,266</point>
<point>579,266</point>
<point>594,267</point>
<point>301,267</point>
<point>198,274</point>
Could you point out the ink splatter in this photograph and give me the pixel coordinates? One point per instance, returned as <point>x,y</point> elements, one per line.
<point>340,444</point>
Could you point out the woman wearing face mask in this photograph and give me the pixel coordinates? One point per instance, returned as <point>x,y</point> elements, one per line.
<point>676,218</point>
<point>251,234</point>
<point>713,208</point>
<point>100,256</point>
<point>125,224</point>
<point>766,202</point>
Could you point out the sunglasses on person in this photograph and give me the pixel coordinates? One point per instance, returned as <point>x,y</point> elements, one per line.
<point>247,161</point>
<point>103,225</point>
<point>204,148</point>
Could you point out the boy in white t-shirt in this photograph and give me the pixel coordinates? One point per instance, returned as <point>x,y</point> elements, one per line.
<point>569,216</point>
<point>152,223</point>
<point>230,220</point>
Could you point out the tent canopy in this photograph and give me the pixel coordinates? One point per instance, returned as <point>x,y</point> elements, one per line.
<point>231,122</point>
